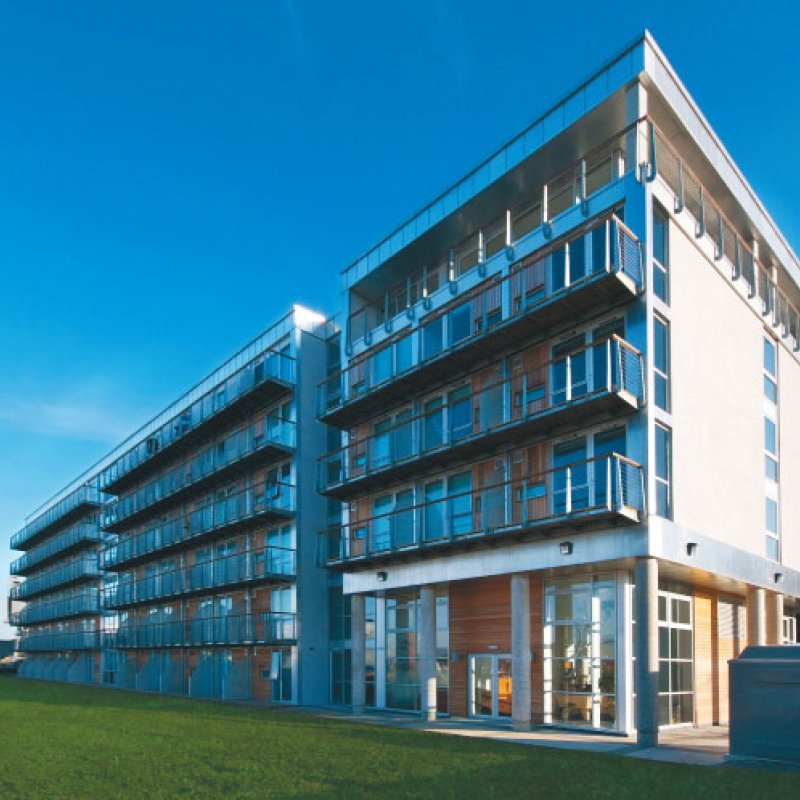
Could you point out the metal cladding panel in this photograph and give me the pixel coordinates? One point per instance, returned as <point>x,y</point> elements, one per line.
<point>765,703</point>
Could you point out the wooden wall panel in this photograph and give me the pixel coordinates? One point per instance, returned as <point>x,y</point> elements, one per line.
<point>480,622</point>
<point>706,672</point>
<point>260,689</point>
<point>537,649</point>
<point>479,618</point>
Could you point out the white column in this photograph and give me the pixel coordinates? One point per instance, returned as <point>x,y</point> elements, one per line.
<point>646,646</point>
<point>427,652</point>
<point>521,651</point>
<point>357,653</point>
<point>756,616</point>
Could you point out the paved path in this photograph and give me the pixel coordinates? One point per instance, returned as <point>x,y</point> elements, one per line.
<point>707,746</point>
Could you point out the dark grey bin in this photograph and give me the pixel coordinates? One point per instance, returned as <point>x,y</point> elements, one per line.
<point>765,703</point>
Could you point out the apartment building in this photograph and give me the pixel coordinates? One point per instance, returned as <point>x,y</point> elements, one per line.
<point>203,530</point>
<point>568,403</point>
<point>57,607</point>
<point>548,480</point>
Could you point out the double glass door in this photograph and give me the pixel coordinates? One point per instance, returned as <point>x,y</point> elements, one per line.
<point>490,685</point>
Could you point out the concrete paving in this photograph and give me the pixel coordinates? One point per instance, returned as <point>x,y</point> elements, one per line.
<point>706,746</point>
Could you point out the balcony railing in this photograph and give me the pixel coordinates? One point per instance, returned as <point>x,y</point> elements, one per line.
<point>267,500</point>
<point>84,534</point>
<point>608,489</point>
<point>276,436</point>
<point>596,378</point>
<point>79,569</point>
<point>73,503</point>
<point>262,564</point>
<point>271,627</point>
<point>59,641</point>
<point>80,604</point>
<point>690,194</point>
<point>271,370</point>
<point>554,285</point>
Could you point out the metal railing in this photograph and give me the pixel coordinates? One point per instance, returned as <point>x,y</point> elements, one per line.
<point>82,496</point>
<point>265,499</point>
<point>710,220</point>
<point>270,627</point>
<point>88,532</point>
<point>578,491</point>
<point>610,366</point>
<point>82,568</point>
<point>209,462</point>
<point>263,563</point>
<point>271,366</point>
<point>75,605</point>
<point>550,274</point>
<point>59,641</point>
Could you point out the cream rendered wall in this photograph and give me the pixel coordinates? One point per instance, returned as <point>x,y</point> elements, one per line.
<point>717,402</point>
<point>789,448</point>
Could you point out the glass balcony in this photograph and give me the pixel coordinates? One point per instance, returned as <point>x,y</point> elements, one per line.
<point>74,504</point>
<point>275,438</point>
<point>79,604</point>
<point>268,500</point>
<point>554,286</point>
<point>268,376</point>
<point>607,490</point>
<point>79,569</point>
<point>233,629</point>
<point>59,641</point>
<point>254,566</point>
<point>604,377</point>
<point>76,537</point>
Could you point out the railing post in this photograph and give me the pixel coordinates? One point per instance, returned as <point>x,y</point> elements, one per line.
<point>568,505</point>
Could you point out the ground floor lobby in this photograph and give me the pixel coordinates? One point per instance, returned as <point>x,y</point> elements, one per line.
<point>561,649</point>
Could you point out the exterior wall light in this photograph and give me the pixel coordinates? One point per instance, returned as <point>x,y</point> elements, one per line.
<point>382,575</point>
<point>691,548</point>
<point>778,577</point>
<point>566,548</point>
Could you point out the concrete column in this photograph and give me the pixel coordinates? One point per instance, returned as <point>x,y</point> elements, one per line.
<point>521,651</point>
<point>426,633</point>
<point>756,616</point>
<point>357,653</point>
<point>646,648</point>
<point>774,618</point>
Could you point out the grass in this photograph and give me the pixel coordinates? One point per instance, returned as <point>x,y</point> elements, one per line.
<point>61,741</point>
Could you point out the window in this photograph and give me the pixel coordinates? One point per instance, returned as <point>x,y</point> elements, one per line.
<point>526,220</point>
<point>460,321</point>
<point>663,471</point>
<point>773,548</point>
<point>675,674</point>
<point>432,333</point>
<point>770,371</point>
<point>569,371</point>
<point>580,664</point>
<point>660,254</point>
<point>661,362</point>
<point>459,403</point>
<point>771,449</point>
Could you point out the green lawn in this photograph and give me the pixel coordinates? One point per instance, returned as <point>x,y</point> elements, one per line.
<point>59,741</point>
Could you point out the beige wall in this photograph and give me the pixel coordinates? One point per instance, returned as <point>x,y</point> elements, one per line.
<point>717,403</point>
<point>789,404</point>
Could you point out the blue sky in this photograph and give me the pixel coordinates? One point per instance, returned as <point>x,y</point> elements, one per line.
<point>174,175</point>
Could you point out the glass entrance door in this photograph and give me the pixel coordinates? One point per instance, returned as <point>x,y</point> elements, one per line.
<point>490,685</point>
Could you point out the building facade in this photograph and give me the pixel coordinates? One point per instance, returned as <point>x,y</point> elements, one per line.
<point>58,606</point>
<point>546,477</point>
<point>568,406</point>
<point>203,556</point>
